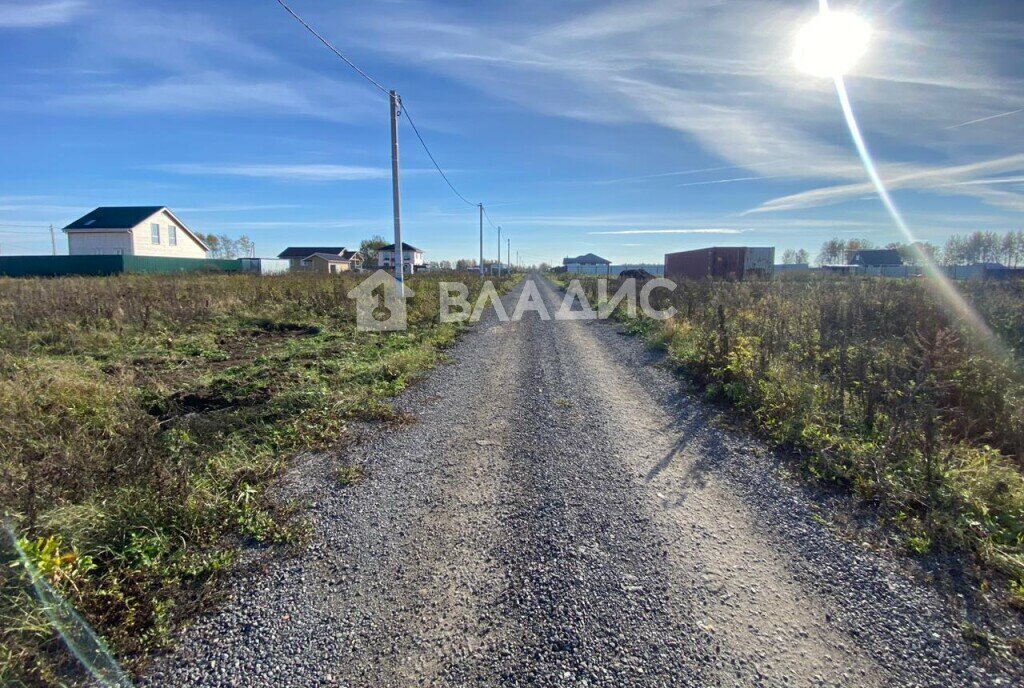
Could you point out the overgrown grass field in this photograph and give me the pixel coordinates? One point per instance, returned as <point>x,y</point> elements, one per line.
<point>142,419</point>
<point>878,387</point>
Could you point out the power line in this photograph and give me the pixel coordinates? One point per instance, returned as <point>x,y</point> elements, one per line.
<point>25,226</point>
<point>493,226</point>
<point>383,90</point>
<point>404,109</point>
<point>334,50</point>
<point>431,156</point>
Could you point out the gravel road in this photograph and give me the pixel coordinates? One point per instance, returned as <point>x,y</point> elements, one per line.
<point>563,513</point>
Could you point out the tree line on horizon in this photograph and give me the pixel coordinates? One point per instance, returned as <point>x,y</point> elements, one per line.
<point>967,249</point>
<point>223,246</point>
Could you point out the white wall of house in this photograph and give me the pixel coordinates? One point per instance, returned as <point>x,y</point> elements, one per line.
<point>139,241</point>
<point>100,243</point>
<point>409,258</point>
<point>318,264</point>
<point>184,247</point>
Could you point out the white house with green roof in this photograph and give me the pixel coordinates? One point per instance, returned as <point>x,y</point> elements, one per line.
<point>133,231</point>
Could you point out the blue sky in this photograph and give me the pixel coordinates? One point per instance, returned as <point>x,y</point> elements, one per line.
<point>626,128</point>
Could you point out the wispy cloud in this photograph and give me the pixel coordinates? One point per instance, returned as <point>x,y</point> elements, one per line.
<point>683,173</point>
<point>733,179</point>
<point>216,92</point>
<point>300,173</point>
<point>303,224</point>
<point>24,15</point>
<point>673,231</point>
<point>945,180</point>
<point>130,63</point>
<point>720,75</point>
<point>986,119</point>
<point>234,208</point>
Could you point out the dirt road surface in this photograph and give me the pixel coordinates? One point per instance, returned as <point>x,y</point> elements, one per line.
<point>563,513</point>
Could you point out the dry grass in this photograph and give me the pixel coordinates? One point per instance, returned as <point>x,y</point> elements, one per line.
<point>879,388</point>
<point>142,418</point>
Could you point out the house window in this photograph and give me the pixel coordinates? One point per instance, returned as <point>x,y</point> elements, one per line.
<point>154,232</point>
<point>172,235</point>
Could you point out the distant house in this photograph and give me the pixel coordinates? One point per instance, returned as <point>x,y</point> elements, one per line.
<point>412,257</point>
<point>874,258</point>
<point>327,259</point>
<point>133,231</point>
<point>588,263</point>
<point>330,263</point>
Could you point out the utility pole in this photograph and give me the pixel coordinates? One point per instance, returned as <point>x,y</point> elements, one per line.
<point>53,240</point>
<point>499,250</point>
<point>508,252</point>
<point>481,206</point>
<point>396,198</point>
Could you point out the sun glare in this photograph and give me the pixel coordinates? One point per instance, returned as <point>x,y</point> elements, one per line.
<point>831,43</point>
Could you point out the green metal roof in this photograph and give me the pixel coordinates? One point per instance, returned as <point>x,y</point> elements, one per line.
<point>115,217</point>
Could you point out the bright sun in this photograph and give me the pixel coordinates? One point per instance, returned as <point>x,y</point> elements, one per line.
<point>831,43</point>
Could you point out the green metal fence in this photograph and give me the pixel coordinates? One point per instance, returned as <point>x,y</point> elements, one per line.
<point>59,266</point>
<point>153,264</point>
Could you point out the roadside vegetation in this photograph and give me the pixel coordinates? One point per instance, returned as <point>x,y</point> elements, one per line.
<point>142,420</point>
<point>877,387</point>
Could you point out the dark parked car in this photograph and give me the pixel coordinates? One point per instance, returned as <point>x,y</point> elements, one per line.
<point>635,274</point>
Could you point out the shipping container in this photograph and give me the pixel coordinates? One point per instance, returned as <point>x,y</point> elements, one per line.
<point>759,261</point>
<point>720,262</point>
<point>689,264</point>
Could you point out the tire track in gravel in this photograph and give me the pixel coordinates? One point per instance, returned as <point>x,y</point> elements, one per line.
<point>585,581</point>
<point>446,577</point>
<point>793,603</point>
<point>770,630</point>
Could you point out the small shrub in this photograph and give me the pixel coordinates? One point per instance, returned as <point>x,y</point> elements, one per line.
<point>349,475</point>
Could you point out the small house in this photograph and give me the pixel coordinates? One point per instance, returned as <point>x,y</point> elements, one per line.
<point>133,231</point>
<point>330,263</point>
<point>412,257</point>
<point>874,258</point>
<point>326,259</point>
<point>588,264</point>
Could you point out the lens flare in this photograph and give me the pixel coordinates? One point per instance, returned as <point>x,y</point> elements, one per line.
<point>948,296</point>
<point>936,277</point>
